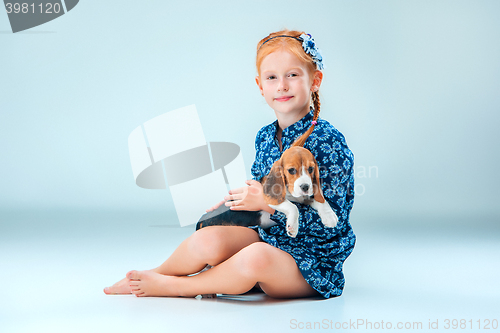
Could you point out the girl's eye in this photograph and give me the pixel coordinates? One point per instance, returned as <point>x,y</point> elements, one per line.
<point>310,170</point>
<point>293,74</point>
<point>271,77</point>
<point>291,171</point>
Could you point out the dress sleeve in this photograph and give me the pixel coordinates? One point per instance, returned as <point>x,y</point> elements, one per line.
<point>336,165</point>
<point>256,166</point>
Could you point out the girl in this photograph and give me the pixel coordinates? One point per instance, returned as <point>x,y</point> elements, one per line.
<point>289,75</point>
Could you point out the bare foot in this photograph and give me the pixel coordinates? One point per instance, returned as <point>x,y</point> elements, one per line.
<point>119,288</point>
<point>149,283</point>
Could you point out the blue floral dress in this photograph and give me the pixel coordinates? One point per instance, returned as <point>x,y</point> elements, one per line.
<point>319,251</point>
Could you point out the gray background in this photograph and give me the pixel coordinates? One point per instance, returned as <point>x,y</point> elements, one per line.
<point>413,85</point>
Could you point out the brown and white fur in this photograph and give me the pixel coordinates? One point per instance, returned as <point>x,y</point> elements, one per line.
<point>295,177</point>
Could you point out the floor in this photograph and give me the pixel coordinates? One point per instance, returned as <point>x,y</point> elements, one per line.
<point>426,274</point>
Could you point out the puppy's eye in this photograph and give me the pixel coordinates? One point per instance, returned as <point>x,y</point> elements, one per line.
<point>292,171</point>
<point>310,170</point>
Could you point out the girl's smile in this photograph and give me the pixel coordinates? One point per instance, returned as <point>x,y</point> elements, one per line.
<point>283,98</point>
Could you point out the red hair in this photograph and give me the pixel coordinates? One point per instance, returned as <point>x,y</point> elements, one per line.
<point>287,44</point>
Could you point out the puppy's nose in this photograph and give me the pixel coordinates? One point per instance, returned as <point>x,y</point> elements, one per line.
<point>304,187</point>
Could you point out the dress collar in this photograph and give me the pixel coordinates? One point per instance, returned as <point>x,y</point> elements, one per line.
<point>292,132</point>
<point>297,126</point>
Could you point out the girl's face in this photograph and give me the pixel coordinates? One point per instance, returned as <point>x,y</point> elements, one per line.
<point>286,84</point>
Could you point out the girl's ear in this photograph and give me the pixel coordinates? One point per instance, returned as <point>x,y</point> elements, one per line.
<point>257,80</point>
<point>317,79</point>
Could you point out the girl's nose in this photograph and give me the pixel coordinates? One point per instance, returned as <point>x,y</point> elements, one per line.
<point>282,86</point>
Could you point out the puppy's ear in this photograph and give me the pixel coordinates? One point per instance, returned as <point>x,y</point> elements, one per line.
<point>274,185</point>
<point>318,196</point>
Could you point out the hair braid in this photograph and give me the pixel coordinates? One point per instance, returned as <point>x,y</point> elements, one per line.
<point>302,139</point>
<point>317,104</point>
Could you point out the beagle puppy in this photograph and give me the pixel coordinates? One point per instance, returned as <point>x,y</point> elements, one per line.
<point>294,177</point>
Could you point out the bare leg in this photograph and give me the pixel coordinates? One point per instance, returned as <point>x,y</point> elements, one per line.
<point>274,270</point>
<point>211,245</point>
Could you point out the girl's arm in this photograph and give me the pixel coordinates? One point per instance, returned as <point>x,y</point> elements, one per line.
<point>336,167</point>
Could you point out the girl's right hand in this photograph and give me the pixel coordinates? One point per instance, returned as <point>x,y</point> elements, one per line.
<point>215,207</point>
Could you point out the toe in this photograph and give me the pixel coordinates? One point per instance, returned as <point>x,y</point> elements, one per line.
<point>133,275</point>
<point>106,291</point>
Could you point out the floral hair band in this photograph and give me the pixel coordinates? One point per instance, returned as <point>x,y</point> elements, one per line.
<point>308,45</point>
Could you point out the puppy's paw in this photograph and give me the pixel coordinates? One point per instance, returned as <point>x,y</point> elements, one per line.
<point>292,227</point>
<point>329,218</point>
<point>291,231</point>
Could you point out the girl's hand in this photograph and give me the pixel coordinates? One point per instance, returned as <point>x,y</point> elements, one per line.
<point>248,198</point>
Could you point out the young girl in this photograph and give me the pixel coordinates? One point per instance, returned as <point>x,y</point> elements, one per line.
<point>289,75</point>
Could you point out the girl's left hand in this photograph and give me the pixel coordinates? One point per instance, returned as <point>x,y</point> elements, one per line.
<point>247,198</point>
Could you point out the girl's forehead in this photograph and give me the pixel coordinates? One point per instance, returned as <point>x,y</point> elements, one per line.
<point>281,59</point>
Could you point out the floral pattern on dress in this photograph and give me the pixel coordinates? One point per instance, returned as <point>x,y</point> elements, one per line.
<point>319,251</point>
